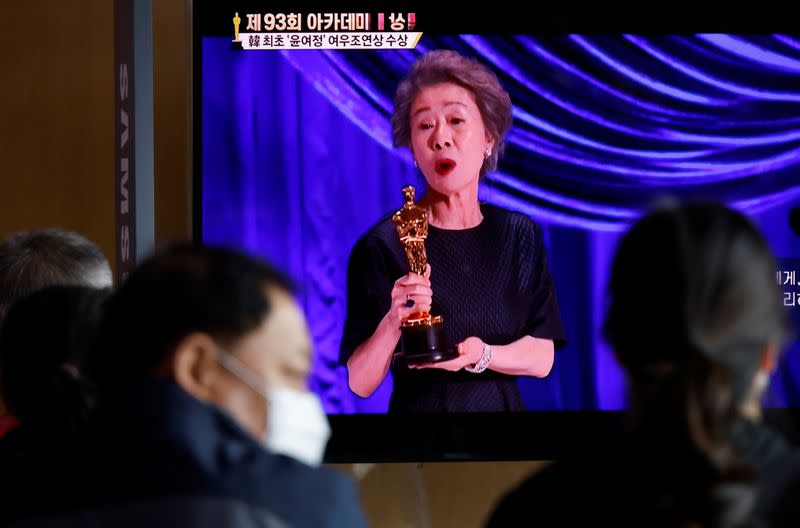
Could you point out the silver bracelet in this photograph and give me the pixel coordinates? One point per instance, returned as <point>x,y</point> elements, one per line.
<point>483,362</point>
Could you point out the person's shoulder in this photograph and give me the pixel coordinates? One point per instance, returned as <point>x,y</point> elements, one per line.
<point>319,475</point>
<point>383,230</point>
<point>326,482</point>
<point>544,488</point>
<point>377,238</point>
<point>514,227</point>
<point>549,495</point>
<point>335,494</point>
<point>517,220</point>
<point>550,477</point>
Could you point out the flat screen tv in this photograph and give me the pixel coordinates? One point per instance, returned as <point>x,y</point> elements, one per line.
<point>294,160</point>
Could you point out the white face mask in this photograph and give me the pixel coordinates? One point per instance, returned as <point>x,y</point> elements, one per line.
<point>297,425</point>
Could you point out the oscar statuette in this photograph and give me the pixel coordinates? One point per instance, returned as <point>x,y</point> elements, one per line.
<point>423,339</point>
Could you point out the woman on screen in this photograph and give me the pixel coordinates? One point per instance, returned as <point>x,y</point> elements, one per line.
<point>487,272</point>
<point>696,320</point>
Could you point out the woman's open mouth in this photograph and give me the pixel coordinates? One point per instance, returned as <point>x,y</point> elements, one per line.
<point>444,166</point>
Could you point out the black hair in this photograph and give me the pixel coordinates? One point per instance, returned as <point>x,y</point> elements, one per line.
<point>183,289</point>
<point>694,301</point>
<point>43,346</point>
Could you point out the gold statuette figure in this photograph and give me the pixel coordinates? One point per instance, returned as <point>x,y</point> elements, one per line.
<point>422,335</point>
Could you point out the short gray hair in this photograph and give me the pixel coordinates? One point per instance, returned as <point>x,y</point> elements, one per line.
<point>440,66</point>
<point>32,260</point>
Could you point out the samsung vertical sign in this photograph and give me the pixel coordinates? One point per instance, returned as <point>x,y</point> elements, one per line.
<point>124,144</point>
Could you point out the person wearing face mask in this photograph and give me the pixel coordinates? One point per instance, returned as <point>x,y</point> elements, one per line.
<point>488,274</point>
<point>203,414</point>
<point>695,318</point>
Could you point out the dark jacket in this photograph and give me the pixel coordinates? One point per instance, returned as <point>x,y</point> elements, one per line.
<point>155,456</point>
<point>634,483</point>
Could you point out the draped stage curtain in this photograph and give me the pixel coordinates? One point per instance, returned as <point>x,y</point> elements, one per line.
<point>297,162</point>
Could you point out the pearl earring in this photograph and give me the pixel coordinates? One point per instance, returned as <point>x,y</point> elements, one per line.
<point>415,163</point>
<point>487,153</point>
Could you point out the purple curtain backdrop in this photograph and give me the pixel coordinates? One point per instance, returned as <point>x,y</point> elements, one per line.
<point>297,163</point>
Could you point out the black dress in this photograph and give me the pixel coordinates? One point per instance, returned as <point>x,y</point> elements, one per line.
<point>491,281</point>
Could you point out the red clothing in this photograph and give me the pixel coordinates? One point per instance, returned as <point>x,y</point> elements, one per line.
<point>7,423</point>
